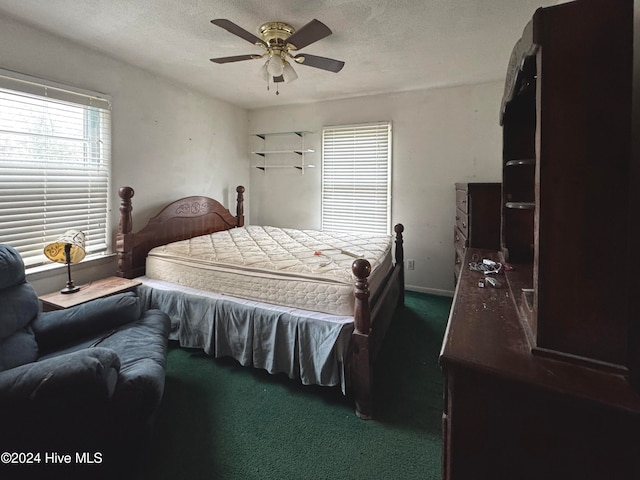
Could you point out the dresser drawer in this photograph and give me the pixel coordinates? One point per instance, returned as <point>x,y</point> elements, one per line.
<point>460,247</point>
<point>462,222</point>
<point>461,199</point>
<point>457,266</point>
<point>459,241</point>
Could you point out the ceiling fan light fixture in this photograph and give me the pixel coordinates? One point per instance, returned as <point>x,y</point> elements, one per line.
<point>288,73</point>
<point>278,39</point>
<point>275,65</point>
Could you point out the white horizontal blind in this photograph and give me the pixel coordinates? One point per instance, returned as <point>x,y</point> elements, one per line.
<point>55,154</point>
<point>356,178</point>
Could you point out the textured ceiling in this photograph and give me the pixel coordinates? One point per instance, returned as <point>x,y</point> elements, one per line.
<point>387,45</point>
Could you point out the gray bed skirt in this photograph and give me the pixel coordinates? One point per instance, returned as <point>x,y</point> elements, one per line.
<point>302,344</point>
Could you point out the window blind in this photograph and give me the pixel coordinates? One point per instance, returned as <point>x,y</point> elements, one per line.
<point>55,153</point>
<point>356,178</point>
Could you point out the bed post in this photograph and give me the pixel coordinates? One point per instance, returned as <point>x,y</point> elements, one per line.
<point>124,237</point>
<point>361,378</point>
<point>240,206</point>
<point>399,228</point>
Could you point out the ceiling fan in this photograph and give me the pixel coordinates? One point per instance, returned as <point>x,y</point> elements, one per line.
<point>278,40</point>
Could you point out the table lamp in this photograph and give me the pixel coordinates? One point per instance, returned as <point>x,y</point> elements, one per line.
<point>69,248</point>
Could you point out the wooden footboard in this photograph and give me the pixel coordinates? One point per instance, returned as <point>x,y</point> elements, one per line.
<point>370,326</point>
<point>193,216</point>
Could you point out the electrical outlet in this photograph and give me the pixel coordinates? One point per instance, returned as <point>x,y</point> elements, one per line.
<point>411,264</point>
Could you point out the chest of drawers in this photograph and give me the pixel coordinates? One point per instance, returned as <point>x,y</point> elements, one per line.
<point>477,219</point>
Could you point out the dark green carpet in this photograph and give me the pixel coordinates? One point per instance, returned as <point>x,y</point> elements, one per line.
<point>222,421</point>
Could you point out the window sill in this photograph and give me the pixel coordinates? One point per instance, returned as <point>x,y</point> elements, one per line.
<point>50,270</point>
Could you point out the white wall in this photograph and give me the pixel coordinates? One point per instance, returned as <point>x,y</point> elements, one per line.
<point>440,137</point>
<point>168,141</point>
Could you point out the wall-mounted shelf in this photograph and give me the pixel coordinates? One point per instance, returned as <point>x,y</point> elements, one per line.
<point>272,152</point>
<point>281,145</point>
<point>300,133</point>
<point>299,167</point>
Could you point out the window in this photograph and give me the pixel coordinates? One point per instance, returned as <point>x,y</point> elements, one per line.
<point>356,178</point>
<point>55,152</point>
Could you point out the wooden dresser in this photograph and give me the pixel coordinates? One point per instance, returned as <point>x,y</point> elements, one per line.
<point>509,414</point>
<point>477,219</point>
<point>541,375</point>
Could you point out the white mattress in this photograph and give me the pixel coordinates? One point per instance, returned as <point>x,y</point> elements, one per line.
<point>305,269</point>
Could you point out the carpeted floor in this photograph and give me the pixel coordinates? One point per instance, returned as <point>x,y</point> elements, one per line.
<point>222,421</point>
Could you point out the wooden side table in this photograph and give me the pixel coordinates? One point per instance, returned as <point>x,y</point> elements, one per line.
<point>91,291</point>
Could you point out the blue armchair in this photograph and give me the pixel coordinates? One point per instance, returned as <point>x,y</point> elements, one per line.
<point>85,379</point>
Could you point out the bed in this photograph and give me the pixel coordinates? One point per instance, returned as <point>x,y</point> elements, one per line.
<point>310,304</point>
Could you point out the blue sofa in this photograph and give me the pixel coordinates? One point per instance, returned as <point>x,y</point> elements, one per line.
<point>85,379</point>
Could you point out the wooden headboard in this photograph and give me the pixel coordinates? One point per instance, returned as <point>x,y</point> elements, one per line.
<point>182,219</point>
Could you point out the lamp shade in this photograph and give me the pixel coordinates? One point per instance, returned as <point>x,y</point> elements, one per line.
<point>288,73</point>
<point>55,251</point>
<point>275,65</point>
<point>264,73</point>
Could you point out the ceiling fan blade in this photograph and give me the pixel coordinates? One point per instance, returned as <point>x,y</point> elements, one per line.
<point>319,62</point>
<point>237,58</point>
<point>312,32</point>
<point>231,27</point>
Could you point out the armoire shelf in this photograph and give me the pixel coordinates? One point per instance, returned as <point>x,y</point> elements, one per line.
<point>521,162</point>
<point>521,205</point>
